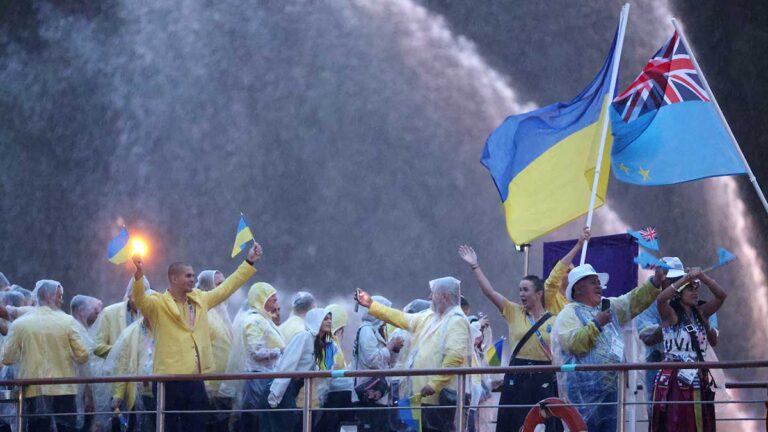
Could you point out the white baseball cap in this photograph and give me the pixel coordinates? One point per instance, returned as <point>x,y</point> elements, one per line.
<point>579,273</point>
<point>676,267</point>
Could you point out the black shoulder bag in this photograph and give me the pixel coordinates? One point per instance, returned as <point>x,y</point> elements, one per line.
<point>372,389</point>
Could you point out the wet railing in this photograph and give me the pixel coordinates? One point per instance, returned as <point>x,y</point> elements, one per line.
<point>160,412</point>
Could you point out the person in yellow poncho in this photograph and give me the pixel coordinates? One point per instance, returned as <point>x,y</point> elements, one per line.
<point>301,303</point>
<point>46,343</point>
<point>440,340</point>
<point>257,344</point>
<point>114,319</point>
<point>132,354</point>
<point>221,342</point>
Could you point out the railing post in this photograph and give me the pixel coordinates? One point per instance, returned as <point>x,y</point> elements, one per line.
<point>460,403</point>
<point>160,402</point>
<point>20,411</point>
<point>621,400</point>
<point>306,410</point>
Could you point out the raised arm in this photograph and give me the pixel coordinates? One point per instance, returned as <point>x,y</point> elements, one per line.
<point>235,280</point>
<point>667,314</point>
<point>468,254</point>
<point>392,316</point>
<point>712,306</point>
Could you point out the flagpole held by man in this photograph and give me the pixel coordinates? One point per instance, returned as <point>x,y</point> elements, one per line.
<point>179,317</point>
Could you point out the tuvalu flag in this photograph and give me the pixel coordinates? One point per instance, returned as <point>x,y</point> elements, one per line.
<point>666,128</point>
<point>242,237</point>
<point>543,162</point>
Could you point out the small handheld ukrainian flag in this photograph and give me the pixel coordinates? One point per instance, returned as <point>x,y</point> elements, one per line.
<point>410,413</point>
<point>495,352</point>
<point>118,251</point>
<point>242,237</point>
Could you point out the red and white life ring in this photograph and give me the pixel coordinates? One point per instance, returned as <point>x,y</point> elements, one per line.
<point>568,414</point>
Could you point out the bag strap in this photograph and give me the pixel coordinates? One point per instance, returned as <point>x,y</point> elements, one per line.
<point>528,335</point>
<point>691,330</point>
<point>355,352</point>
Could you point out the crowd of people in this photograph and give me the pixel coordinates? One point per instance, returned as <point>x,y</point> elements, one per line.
<point>187,330</point>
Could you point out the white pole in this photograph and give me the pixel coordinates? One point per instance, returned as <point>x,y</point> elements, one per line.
<point>735,143</point>
<point>612,89</point>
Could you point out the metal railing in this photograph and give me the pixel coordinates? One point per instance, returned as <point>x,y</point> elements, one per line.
<point>306,410</point>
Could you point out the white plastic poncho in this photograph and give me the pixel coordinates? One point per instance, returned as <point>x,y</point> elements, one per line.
<point>221,330</point>
<point>132,354</point>
<point>299,355</point>
<point>257,342</point>
<point>370,350</point>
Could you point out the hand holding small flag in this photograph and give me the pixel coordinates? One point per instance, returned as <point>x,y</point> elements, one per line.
<point>242,236</point>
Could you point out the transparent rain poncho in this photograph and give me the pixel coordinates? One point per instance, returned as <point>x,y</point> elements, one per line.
<point>132,354</point>
<point>370,348</point>
<point>46,343</point>
<point>594,386</point>
<point>440,338</point>
<point>340,319</point>
<point>415,306</point>
<point>220,327</point>
<point>114,319</point>
<point>257,343</point>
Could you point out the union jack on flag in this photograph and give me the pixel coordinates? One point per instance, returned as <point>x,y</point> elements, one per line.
<point>649,234</point>
<point>669,77</point>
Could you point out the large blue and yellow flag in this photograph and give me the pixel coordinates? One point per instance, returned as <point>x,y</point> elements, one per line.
<point>543,162</point>
<point>666,127</point>
<point>242,237</point>
<point>118,250</point>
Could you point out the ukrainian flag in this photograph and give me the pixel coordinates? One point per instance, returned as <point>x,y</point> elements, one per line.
<point>118,251</point>
<point>495,352</point>
<point>543,162</point>
<point>242,237</point>
<point>410,412</point>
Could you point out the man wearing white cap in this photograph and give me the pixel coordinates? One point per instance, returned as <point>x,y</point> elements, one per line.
<point>588,331</point>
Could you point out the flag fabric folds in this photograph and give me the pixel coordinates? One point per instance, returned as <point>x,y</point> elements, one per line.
<point>543,162</point>
<point>118,250</point>
<point>242,237</point>
<point>647,238</point>
<point>650,262</point>
<point>666,129</point>
<point>495,352</point>
<point>410,412</point>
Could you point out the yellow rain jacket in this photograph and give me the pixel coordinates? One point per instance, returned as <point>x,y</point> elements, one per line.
<point>45,343</point>
<point>438,342</point>
<point>221,342</point>
<point>112,321</point>
<point>291,327</point>
<point>181,348</point>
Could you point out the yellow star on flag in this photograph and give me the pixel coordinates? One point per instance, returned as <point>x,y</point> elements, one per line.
<point>645,173</point>
<point>624,168</point>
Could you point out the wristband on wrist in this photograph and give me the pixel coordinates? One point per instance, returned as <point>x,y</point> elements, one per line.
<point>249,261</point>
<point>475,267</point>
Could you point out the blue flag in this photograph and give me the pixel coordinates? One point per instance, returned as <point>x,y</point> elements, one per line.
<point>666,129</point>
<point>724,256</point>
<point>648,261</point>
